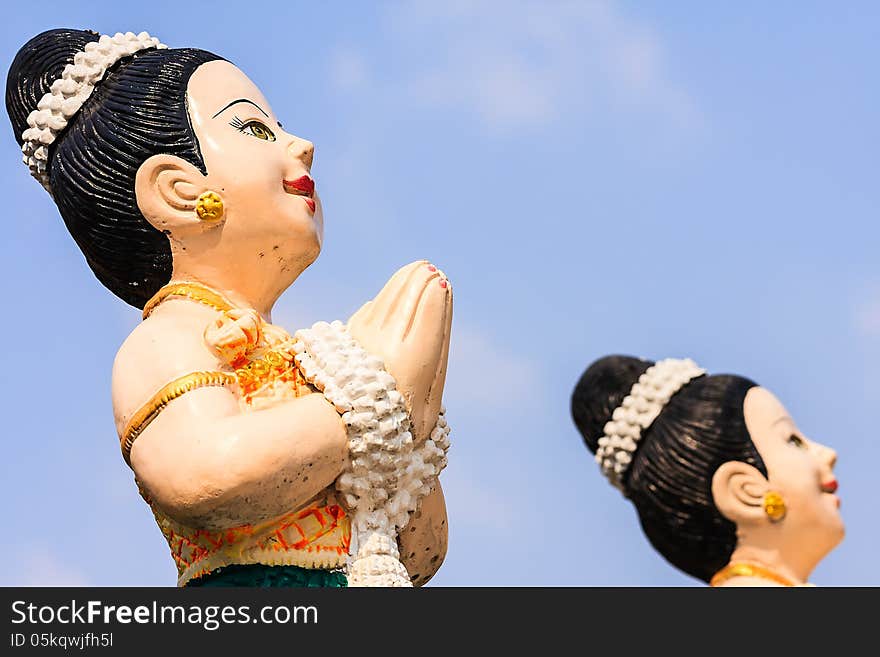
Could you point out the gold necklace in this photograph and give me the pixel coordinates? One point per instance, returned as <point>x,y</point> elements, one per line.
<point>189,290</point>
<point>745,569</point>
<point>275,360</point>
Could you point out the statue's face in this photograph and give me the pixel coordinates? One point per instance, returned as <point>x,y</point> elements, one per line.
<point>260,171</point>
<point>797,468</point>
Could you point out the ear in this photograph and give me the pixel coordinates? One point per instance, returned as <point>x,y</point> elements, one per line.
<point>738,491</point>
<point>167,189</point>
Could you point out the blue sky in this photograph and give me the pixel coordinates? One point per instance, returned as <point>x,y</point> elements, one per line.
<point>687,179</point>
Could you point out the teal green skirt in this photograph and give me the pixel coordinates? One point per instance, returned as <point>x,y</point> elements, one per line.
<point>266,576</point>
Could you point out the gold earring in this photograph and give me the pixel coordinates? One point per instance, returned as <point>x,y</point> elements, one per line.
<point>209,206</point>
<point>774,506</point>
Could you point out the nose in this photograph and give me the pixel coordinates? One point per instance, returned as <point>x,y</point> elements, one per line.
<point>302,150</point>
<point>826,455</point>
<point>832,457</point>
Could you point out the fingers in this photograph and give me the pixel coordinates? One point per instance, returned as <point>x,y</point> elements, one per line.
<point>434,398</point>
<point>402,314</point>
<point>436,390</point>
<point>402,309</point>
<point>448,327</point>
<point>392,290</point>
<point>447,338</point>
<point>427,318</point>
<point>424,342</point>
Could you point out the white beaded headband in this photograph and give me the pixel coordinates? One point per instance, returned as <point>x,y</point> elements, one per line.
<point>69,93</point>
<point>637,411</point>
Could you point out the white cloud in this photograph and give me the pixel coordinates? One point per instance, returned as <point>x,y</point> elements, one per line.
<point>474,504</point>
<point>868,316</point>
<point>348,70</point>
<point>523,63</point>
<point>483,376</point>
<point>42,567</point>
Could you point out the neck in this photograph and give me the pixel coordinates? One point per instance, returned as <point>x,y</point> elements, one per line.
<point>772,559</point>
<point>254,291</point>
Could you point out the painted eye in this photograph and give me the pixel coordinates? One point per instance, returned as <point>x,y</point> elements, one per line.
<point>258,130</point>
<point>253,128</point>
<point>796,441</point>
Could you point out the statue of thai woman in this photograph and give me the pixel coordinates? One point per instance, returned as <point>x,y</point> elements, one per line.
<point>267,458</point>
<point>726,487</point>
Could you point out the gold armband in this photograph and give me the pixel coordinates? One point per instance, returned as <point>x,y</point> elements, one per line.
<point>149,411</point>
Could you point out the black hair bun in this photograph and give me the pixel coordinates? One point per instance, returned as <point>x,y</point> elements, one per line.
<point>601,389</point>
<point>138,110</point>
<point>38,63</point>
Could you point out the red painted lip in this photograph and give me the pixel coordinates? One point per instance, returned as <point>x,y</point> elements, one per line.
<point>830,486</point>
<point>303,185</point>
<point>311,203</point>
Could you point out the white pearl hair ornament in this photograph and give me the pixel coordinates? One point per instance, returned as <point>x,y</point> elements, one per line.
<point>387,476</point>
<point>637,412</point>
<point>69,92</point>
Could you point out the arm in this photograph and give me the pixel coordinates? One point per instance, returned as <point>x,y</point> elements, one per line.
<point>209,470</point>
<point>423,541</point>
<point>202,461</point>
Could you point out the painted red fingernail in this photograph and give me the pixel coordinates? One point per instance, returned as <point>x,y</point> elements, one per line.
<point>442,283</point>
<point>432,268</point>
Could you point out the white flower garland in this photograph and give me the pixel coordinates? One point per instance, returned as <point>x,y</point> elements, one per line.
<point>387,476</point>
<point>69,93</point>
<point>637,411</point>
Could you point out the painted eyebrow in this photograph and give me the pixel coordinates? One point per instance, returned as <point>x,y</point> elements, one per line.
<point>784,418</point>
<point>240,100</point>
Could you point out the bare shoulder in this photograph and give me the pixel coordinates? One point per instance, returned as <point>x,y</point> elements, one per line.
<point>167,345</point>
